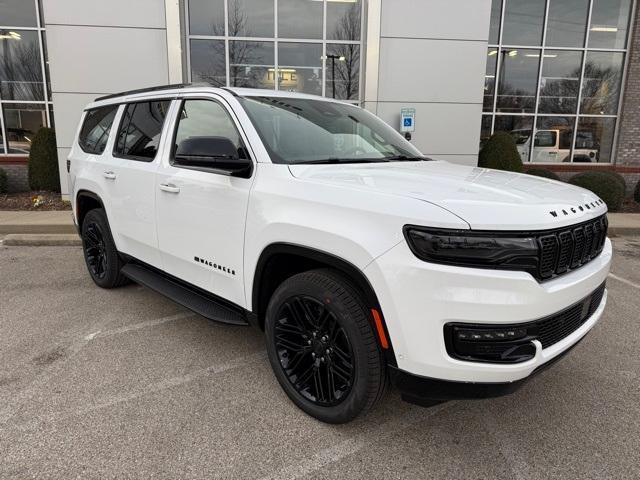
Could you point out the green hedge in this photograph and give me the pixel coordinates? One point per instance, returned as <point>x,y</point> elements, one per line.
<point>543,172</point>
<point>607,187</point>
<point>43,162</point>
<point>636,193</point>
<point>3,181</point>
<point>500,153</point>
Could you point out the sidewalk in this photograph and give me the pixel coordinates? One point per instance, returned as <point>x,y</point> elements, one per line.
<point>60,222</point>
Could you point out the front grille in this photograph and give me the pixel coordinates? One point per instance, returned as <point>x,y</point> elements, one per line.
<point>566,249</point>
<point>552,329</point>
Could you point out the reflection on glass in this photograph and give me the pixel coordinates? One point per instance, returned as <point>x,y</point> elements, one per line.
<point>518,79</point>
<point>22,122</point>
<point>494,26</point>
<point>567,23</point>
<point>205,118</point>
<point>520,128</point>
<point>250,63</point>
<point>553,139</point>
<point>299,19</point>
<point>601,85</point>
<point>560,81</point>
<point>485,130</point>
<point>208,62</point>
<point>609,21</point>
<point>300,67</point>
<point>343,20</point>
<point>1,136</point>
<point>250,18</point>
<point>20,67</point>
<point>18,13</point>
<point>206,17</point>
<point>343,71</point>
<point>594,139</point>
<point>490,79</point>
<point>45,55</point>
<point>523,21</point>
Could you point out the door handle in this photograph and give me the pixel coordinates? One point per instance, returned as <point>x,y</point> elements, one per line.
<point>169,187</point>
<point>109,175</point>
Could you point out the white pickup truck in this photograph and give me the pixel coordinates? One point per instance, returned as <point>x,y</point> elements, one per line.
<point>552,146</point>
<point>360,259</point>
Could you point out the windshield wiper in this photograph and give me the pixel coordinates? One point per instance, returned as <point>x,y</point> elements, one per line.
<point>404,158</point>
<point>341,160</point>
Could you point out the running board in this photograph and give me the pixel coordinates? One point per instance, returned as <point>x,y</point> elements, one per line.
<point>194,299</point>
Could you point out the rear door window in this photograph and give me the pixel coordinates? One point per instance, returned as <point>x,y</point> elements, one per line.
<point>141,129</point>
<point>95,129</point>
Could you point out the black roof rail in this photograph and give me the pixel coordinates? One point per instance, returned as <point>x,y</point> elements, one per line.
<point>144,90</point>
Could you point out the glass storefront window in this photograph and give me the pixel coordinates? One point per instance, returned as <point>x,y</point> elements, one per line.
<point>485,129</point>
<point>300,19</point>
<point>520,128</point>
<point>251,64</point>
<point>206,17</point>
<point>300,67</point>
<point>609,23</point>
<point>601,86</point>
<point>560,81</point>
<point>208,62</point>
<point>494,26</point>
<point>343,71</point>
<point>20,65</point>
<point>594,139</point>
<point>552,143</point>
<point>21,122</point>
<point>490,79</point>
<point>568,87</point>
<point>251,18</point>
<point>567,23</point>
<point>518,80</point>
<point>18,13</point>
<point>343,20</point>
<point>523,20</point>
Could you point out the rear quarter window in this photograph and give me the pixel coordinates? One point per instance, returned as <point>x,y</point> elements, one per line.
<point>95,129</point>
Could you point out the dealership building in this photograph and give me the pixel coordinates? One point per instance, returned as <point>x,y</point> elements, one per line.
<point>562,76</point>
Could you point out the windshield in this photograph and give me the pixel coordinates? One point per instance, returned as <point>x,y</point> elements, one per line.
<point>296,130</point>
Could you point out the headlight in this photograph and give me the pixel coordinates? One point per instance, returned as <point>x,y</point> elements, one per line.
<point>496,250</point>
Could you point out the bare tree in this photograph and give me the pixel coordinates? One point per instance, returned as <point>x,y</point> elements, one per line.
<point>21,70</point>
<point>347,71</point>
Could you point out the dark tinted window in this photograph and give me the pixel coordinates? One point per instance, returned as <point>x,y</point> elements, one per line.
<point>141,129</point>
<point>95,129</point>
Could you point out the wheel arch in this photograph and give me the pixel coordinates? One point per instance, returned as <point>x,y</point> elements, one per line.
<point>279,261</point>
<point>86,201</point>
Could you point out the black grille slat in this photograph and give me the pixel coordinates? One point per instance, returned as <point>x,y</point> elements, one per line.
<point>559,326</point>
<point>548,255</point>
<point>566,248</point>
<point>578,250</point>
<point>588,242</point>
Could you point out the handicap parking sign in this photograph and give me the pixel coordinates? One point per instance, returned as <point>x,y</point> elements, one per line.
<point>407,120</point>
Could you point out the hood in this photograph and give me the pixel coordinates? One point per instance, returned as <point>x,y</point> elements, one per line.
<point>485,199</point>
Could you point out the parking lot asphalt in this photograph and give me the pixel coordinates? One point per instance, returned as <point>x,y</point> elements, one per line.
<point>126,384</point>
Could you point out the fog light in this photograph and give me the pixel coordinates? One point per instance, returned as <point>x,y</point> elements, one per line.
<point>511,344</point>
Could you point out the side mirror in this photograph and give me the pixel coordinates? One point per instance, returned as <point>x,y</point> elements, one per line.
<point>217,154</point>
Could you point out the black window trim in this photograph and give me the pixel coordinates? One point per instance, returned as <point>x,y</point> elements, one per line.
<point>137,158</point>
<point>238,126</point>
<point>110,128</point>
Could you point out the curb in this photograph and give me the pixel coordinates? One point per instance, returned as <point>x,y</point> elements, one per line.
<point>55,229</point>
<point>41,240</point>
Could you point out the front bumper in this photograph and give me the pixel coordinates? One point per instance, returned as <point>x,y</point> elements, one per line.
<point>419,298</point>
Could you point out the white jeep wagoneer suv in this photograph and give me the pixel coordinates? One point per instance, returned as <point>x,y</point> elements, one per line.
<point>363,261</point>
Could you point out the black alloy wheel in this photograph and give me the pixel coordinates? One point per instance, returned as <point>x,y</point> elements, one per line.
<point>322,346</point>
<point>95,252</point>
<point>100,253</point>
<point>314,351</point>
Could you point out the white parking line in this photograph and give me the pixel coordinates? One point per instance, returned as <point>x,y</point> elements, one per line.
<point>140,325</point>
<point>625,281</point>
<point>356,443</point>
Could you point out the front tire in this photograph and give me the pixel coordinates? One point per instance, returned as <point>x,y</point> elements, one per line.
<point>100,253</point>
<point>322,347</point>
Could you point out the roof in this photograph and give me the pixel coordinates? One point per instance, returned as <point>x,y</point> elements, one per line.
<point>180,88</point>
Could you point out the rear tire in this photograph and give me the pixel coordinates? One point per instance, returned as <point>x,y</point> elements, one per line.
<point>322,347</point>
<point>100,253</point>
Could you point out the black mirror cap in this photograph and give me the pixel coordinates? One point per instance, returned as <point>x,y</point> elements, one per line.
<point>215,154</point>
